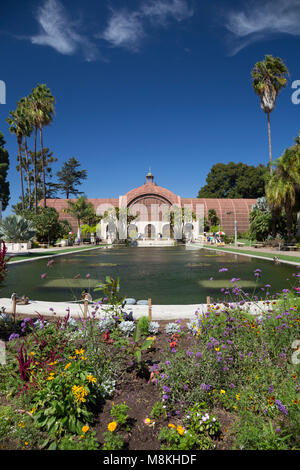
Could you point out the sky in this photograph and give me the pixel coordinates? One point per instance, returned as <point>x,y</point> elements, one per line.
<point>164,84</point>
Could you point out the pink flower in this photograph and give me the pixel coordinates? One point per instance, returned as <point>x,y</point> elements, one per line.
<point>43,275</point>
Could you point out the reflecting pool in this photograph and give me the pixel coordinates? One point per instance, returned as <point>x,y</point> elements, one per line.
<point>167,275</point>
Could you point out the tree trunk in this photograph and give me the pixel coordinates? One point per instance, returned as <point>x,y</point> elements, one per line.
<point>28,172</point>
<point>289,225</point>
<point>21,173</point>
<point>270,145</point>
<point>34,172</point>
<point>43,166</point>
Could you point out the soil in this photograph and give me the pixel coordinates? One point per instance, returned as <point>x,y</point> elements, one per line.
<point>140,394</point>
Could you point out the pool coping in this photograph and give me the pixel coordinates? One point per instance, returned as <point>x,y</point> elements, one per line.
<point>295,263</point>
<point>35,258</point>
<point>158,312</point>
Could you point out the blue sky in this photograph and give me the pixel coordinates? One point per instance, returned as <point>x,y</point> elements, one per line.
<point>159,83</point>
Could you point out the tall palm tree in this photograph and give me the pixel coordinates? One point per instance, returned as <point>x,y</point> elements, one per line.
<point>15,127</point>
<point>42,109</point>
<point>27,125</point>
<point>268,78</point>
<point>80,209</point>
<point>282,189</point>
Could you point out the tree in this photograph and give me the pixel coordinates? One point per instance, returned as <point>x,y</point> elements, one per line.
<point>4,165</point>
<point>42,110</point>
<point>234,180</point>
<point>48,227</point>
<point>283,188</point>
<point>70,177</point>
<point>268,78</point>
<point>16,127</point>
<point>212,217</point>
<point>80,209</point>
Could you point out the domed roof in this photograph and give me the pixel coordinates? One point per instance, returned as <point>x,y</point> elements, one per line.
<point>151,189</point>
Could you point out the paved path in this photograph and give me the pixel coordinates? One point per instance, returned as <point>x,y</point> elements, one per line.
<point>159,312</point>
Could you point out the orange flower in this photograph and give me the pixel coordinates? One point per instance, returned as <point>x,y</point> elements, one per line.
<point>112,426</point>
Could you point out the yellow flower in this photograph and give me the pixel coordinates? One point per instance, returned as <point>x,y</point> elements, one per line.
<point>222,392</point>
<point>26,443</point>
<point>21,424</point>
<point>151,338</point>
<point>217,349</point>
<point>170,425</point>
<point>237,396</point>
<point>79,392</point>
<point>83,358</point>
<point>32,411</point>
<point>32,353</point>
<point>79,351</point>
<point>50,377</point>
<point>180,430</point>
<point>112,426</point>
<point>67,366</point>
<point>91,378</point>
<point>85,429</point>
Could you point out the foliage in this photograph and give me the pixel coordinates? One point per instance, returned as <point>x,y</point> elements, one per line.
<point>3,262</point>
<point>47,226</point>
<point>15,228</point>
<point>4,166</point>
<point>172,328</point>
<point>260,225</point>
<point>234,180</point>
<point>70,177</point>
<point>176,438</point>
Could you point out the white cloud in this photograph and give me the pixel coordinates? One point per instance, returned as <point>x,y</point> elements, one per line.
<point>262,20</point>
<point>160,10</point>
<point>124,29</point>
<point>127,29</point>
<point>59,32</point>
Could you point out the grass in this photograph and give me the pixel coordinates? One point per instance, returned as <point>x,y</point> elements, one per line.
<point>48,253</point>
<point>261,254</point>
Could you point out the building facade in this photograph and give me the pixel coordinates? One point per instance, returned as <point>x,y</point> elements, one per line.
<point>152,204</point>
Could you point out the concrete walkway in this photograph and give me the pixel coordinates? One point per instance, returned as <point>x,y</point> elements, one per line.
<point>159,312</point>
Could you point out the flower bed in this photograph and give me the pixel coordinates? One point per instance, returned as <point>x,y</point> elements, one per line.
<point>224,380</point>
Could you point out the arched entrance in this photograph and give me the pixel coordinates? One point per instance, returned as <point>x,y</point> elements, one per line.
<point>150,231</point>
<point>132,231</point>
<point>166,231</point>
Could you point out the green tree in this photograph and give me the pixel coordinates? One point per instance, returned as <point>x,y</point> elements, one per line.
<point>234,180</point>
<point>283,188</point>
<point>47,226</point>
<point>268,78</point>
<point>70,177</point>
<point>212,217</point>
<point>81,210</point>
<point>4,165</point>
<point>42,110</point>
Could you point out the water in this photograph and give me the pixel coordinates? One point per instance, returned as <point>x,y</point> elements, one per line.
<point>167,275</point>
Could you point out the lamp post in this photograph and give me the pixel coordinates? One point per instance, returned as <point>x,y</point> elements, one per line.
<point>235,232</point>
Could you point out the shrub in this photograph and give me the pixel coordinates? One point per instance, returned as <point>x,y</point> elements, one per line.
<point>127,327</point>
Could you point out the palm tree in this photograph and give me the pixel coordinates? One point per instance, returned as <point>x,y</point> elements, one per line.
<point>268,78</point>
<point>42,110</point>
<point>15,127</point>
<point>80,209</point>
<point>283,187</point>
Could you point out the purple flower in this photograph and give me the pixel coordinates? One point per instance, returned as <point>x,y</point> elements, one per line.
<point>198,354</point>
<point>281,407</point>
<point>185,387</point>
<point>189,353</point>
<point>88,276</point>
<point>168,363</point>
<point>223,270</point>
<point>13,336</point>
<point>49,264</point>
